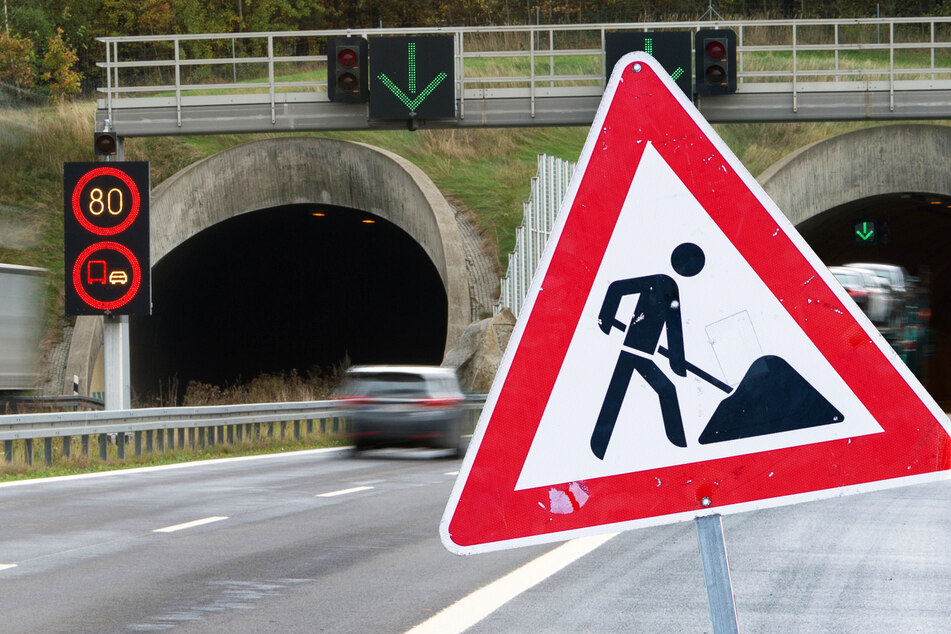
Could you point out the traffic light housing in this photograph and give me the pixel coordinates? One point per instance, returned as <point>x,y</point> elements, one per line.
<point>105,143</point>
<point>715,61</point>
<point>347,80</point>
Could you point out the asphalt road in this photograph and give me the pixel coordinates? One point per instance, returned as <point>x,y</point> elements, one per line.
<point>275,554</point>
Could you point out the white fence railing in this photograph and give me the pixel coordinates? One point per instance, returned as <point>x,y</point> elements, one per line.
<point>548,190</point>
<point>532,60</point>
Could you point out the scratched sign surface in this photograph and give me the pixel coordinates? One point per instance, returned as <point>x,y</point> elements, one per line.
<point>682,352</point>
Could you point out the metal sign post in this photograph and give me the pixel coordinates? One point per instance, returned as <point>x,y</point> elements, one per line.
<point>716,574</point>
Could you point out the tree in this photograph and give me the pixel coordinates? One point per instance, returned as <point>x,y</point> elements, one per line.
<point>16,62</point>
<point>58,62</point>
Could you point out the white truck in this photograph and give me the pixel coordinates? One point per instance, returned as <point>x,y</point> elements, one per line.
<point>22,297</point>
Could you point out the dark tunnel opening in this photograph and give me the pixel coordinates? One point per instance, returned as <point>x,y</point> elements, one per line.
<point>913,226</point>
<point>288,288</point>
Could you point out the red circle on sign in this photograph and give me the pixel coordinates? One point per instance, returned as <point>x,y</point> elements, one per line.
<point>133,287</point>
<point>133,192</point>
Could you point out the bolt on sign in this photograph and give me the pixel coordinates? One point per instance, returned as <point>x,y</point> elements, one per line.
<point>106,236</point>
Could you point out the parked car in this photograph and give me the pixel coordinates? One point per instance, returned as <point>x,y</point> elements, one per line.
<point>867,289</point>
<point>411,406</point>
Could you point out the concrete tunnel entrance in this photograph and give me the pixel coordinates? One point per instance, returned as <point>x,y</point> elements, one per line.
<point>250,278</point>
<point>917,225</point>
<point>297,287</point>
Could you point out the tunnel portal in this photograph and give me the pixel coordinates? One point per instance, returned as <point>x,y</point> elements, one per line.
<point>297,287</point>
<point>913,228</point>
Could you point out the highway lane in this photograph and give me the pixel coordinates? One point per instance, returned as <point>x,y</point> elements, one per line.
<point>87,557</point>
<point>368,559</point>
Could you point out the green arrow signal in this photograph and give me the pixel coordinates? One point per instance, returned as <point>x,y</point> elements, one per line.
<point>649,49</point>
<point>865,233</point>
<point>412,103</point>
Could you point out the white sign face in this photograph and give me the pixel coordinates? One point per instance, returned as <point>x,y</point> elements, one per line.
<point>729,320</point>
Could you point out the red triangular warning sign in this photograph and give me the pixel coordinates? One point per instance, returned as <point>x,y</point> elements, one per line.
<point>681,352</point>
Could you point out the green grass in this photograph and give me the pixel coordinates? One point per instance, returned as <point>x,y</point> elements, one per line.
<point>77,463</point>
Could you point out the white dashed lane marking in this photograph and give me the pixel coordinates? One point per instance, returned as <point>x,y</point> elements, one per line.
<point>331,494</point>
<point>192,524</point>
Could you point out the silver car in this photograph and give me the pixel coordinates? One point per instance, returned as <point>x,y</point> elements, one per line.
<point>409,406</point>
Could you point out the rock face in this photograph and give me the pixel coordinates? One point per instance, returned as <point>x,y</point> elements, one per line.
<point>477,356</point>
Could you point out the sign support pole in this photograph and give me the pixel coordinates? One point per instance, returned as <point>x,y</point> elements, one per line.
<point>115,345</point>
<point>115,350</point>
<point>716,574</point>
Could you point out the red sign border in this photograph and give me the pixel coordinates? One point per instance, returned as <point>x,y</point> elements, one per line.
<point>133,190</point>
<point>486,512</point>
<point>133,287</point>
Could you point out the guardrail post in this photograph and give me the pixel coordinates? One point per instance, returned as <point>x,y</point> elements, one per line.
<point>310,426</point>
<point>120,445</point>
<point>84,444</point>
<point>211,435</point>
<point>283,429</point>
<point>8,450</point>
<point>103,446</point>
<point>296,430</point>
<point>181,438</point>
<point>160,441</point>
<point>270,431</point>
<point>149,434</point>
<point>28,451</point>
<point>239,432</point>
<point>48,451</point>
<point>138,442</point>
<point>67,446</point>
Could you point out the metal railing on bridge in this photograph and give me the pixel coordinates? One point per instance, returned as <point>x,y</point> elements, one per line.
<point>876,68</point>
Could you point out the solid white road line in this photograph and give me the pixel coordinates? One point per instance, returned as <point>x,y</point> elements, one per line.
<point>5,566</point>
<point>469,610</point>
<point>179,527</point>
<point>175,466</point>
<point>331,494</point>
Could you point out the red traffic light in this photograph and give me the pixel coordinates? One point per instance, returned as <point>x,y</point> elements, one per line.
<point>347,57</point>
<point>347,69</point>
<point>715,49</point>
<point>716,61</point>
<point>104,143</point>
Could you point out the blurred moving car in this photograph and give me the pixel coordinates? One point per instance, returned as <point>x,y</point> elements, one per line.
<point>404,406</point>
<point>869,291</point>
<point>851,281</point>
<point>899,284</point>
<point>896,276</point>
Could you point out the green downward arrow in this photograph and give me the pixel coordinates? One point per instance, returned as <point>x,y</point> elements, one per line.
<point>414,102</point>
<point>865,233</point>
<point>649,49</point>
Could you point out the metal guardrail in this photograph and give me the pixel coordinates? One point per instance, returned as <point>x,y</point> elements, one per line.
<point>169,427</point>
<point>524,75</point>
